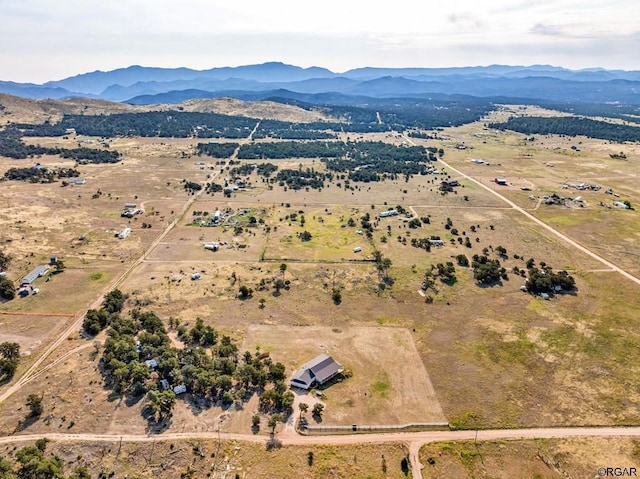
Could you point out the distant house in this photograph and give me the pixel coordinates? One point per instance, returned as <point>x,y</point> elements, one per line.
<point>36,273</point>
<point>124,233</point>
<point>620,204</point>
<point>318,371</point>
<point>179,389</point>
<point>436,242</point>
<point>500,181</point>
<point>152,363</point>
<point>388,213</point>
<point>164,384</point>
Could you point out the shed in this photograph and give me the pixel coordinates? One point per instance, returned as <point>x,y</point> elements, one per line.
<point>180,388</point>
<point>152,363</point>
<point>500,181</point>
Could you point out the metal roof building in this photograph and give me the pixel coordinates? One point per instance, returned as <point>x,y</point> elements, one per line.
<point>35,274</point>
<point>319,370</point>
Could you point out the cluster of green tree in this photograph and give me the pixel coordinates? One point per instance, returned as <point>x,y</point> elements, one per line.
<point>423,136</point>
<point>9,359</point>
<point>383,265</point>
<point>5,260</point>
<point>209,366</point>
<point>263,169</point>
<point>191,186</point>
<point>40,174</point>
<point>385,114</point>
<point>7,289</point>
<point>213,188</point>
<point>32,462</point>
<point>173,124</point>
<point>622,111</point>
<point>424,243</point>
<point>487,271</point>
<point>12,146</point>
<point>426,114</point>
<point>571,126</point>
<point>462,260</point>
<point>216,150</point>
<point>365,223</point>
<point>97,319</point>
<point>298,179</point>
<point>296,131</point>
<point>88,155</point>
<point>305,236</point>
<point>292,149</point>
<point>545,280</point>
<point>375,160</point>
<point>445,272</point>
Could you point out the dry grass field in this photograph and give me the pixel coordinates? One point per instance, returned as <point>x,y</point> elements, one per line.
<point>229,459</point>
<point>495,356</point>
<point>382,390</point>
<point>543,459</point>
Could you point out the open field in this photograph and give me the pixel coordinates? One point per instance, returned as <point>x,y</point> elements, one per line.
<point>382,390</point>
<point>543,458</point>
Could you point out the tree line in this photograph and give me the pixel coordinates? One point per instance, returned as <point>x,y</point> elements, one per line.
<point>12,146</point>
<point>40,174</point>
<point>570,126</point>
<point>169,124</point>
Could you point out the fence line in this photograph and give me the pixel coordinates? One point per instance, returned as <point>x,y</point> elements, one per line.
<point>365,429</point>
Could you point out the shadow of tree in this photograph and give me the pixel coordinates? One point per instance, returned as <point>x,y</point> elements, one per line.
<point>25,423</point>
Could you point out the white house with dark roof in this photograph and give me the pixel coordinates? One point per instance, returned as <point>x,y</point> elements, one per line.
<point>318,371</point>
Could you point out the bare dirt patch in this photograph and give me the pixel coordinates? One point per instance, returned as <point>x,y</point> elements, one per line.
<point>382,389</point>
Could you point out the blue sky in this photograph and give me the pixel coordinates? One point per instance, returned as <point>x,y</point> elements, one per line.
<point>44,40</point>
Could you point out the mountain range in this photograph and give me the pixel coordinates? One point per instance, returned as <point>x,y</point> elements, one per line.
<point>146,85</point>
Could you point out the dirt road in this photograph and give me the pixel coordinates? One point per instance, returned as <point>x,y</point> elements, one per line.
<point>414,440</point>
<point>541,223</point>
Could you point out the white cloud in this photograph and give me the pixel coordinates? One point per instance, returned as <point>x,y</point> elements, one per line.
<point>41,39</point>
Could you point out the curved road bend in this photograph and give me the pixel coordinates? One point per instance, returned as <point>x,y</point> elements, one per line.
<point>29,373</point>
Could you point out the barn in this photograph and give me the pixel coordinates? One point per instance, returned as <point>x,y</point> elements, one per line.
<point>318,371</point>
